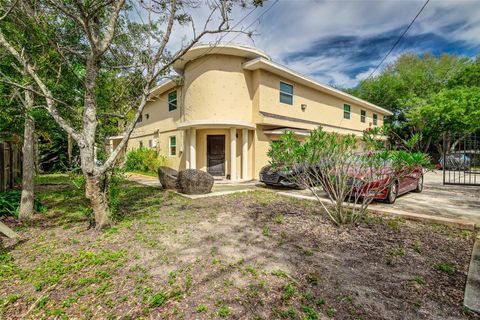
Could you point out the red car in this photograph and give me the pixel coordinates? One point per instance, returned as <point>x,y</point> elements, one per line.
<point>382,188</point>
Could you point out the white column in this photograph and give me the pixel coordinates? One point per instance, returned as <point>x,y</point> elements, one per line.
<point>186,148</point>
<point>245,154</point>
<point>193,146</point>
<point>233,154</point>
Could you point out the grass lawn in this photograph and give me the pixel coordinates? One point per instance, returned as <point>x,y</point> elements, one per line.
<point>243,256</point>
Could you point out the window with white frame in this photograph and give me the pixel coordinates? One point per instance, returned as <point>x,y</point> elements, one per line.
<point>375,119</point>
<point>363,116</point>
<point>346,111</point>
<point>173,145</point>
<point>172,101</point>
<point>286,93</point>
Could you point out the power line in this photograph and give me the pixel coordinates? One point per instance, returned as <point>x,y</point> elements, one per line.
<point>398,41</point>
<point>226,32</point>
<point>231,40</point>
<point>254,21</point>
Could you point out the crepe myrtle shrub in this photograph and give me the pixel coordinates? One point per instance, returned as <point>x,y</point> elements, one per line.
<point>352,174</point>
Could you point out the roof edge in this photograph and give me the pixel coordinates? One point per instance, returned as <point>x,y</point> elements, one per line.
<point>260,63</point>
<point>203,49</point>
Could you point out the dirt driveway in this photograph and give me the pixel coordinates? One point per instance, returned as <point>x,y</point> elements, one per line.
<point>249,255</point>
<point>456,202</point>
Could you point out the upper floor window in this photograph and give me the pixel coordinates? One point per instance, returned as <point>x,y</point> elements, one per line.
<point>286,93</point>
<point>172,100</point>
<point>173,145</point>
<point>375,119</point>
<point>346,111</point>
<point>363,116</point>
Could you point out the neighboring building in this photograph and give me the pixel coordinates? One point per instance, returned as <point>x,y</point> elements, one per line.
<point>230,102</point>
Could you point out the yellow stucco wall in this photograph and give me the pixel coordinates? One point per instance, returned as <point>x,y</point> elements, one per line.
<point>217,87</point>
<point>261,146</point>
<point>156,117</point>
<point>321,107</point>
<point>176,161</point>
<point>134,142</point>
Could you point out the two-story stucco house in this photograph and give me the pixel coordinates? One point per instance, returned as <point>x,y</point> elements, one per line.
<point>229,102</point>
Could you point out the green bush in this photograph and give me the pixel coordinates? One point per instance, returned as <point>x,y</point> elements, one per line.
<point>10,203</point>
<point>144,160</point>
<point>350,175</point>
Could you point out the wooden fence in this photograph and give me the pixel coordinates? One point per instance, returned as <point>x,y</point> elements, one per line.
<point>10,164</point>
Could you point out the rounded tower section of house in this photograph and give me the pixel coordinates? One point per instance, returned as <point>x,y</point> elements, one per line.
<point>216,86</point>
<point>217,114</point>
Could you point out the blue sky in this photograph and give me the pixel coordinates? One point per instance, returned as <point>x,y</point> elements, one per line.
<point>340,42</point>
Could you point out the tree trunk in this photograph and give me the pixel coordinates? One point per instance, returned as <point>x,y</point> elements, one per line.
<point>37,156</point>
<point>98,202</point>
<point>69,150</point>
<point>28,183</point>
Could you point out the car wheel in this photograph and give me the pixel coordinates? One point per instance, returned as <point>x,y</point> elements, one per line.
<point>392,193</point>
<point>419,187</point>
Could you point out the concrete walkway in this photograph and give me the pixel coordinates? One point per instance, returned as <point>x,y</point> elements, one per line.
<point>219,188</point>
<point>143,179</point>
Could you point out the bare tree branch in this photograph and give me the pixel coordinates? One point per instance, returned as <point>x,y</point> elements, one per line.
<point>107,40</point>
<point>43,88</point>
<point>29,88</point>
<point>9,10</point>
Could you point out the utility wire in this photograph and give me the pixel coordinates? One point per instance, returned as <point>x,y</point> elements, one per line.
<point>231,40</point>
<point>255,21</point>
<point>398,41</point>
<point>225,34</point>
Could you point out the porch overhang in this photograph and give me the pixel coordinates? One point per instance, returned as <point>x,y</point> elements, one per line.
<point>213,123</point>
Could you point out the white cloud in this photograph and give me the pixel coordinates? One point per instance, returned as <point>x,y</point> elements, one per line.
<point>294,26</point>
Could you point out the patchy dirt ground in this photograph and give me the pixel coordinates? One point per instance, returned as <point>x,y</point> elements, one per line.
<point>245,256</point>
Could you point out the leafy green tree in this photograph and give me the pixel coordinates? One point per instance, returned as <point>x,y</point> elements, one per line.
<point>451,111</point>
<point>409,88</point>
<point>468,74</point>
<point>97,42</point>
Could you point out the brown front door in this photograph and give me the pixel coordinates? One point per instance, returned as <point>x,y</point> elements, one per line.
<point>216,155</point>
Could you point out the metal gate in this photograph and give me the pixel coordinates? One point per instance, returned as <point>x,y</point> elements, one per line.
<point>461,159</point>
